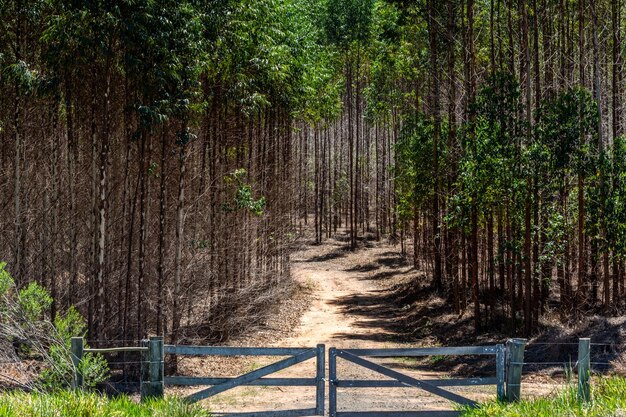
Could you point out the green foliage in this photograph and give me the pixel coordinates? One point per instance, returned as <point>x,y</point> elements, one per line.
<point>21,76</point>
<point>24,307</point>
<point>489,171</point>
<point>59,374</point>
<point>6,281</point>
<point>269,53</point>
<point>616,199</point>
<point>243,199</point>
<point>81,404</point>
<point>413,165</point>
<point>34,301</point>
<point>608,399</point>
<point>567,126</point>
<point>498,102</point>
<point>349,21</point>
<point>22,317</point>
<point>392,63</point>
<point>71,324</point>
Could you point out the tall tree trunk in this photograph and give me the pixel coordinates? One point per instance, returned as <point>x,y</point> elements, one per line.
<point>597,87</point>
<point>471,90</point>
<point>616,14</point>
<point>101,313</point>
<point>434,107</point>
<point>176,310</point>
<point>162,232</point>
<point>17,184</point>
<point>525,76</point>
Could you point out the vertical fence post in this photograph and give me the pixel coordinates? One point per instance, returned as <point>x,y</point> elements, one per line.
<point>584,388</point>
<point>321,382</point>
<point>157,359</point>
<point>515,351</point>
<point>152,368</point>
<point>500,361</point>
<point>77,346</point>
<point>144,375</point>
<point>332,378</point>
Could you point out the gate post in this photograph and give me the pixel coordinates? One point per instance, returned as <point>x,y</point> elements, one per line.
<point>77,346</point>
<point>332,379</point>
<point>584,390</point>
<point>151,385</point>
<point>144,373</point>
<point>157,360</point>
<point>515,361</point>
<point>321,381</point>
<point>500,371</point>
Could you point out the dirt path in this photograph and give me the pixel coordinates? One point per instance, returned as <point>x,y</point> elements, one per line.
<point>336,277</point>
<point>341,314</point>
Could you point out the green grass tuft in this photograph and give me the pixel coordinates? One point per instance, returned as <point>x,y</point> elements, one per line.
<point>82,404</point>
<point>609,400</point>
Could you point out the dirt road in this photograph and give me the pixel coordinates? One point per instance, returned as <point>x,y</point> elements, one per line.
<point>343,314</point>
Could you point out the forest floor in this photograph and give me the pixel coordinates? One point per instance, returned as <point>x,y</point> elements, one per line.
<point>344,302</point>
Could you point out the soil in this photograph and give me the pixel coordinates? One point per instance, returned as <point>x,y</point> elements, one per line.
<point>343,302</point>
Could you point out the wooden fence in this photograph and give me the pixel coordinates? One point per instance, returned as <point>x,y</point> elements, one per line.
<point>509,364</point>
<point>256,377</point>
<point>151,381</point>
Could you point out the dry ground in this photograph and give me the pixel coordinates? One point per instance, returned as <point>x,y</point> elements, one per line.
<point>342,298</point>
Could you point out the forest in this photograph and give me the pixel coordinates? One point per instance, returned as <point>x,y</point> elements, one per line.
<point>160,158</point>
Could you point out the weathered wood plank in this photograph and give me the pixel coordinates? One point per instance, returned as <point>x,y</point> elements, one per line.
<point>263,382</point>
<point>584,372</point>
<point>77,349</point>
<point>424,413</point>
<point>232,351</point>
<point>275,413</point>
<point>515,349</point>
<point>412,352</point>
<point>144,374</point>
<point>405,379</point>
<point>464,382</point>
<point>252,376</point>
<point>500,372</point>
<point>118,349</point>
<point>156,368</point>
<point>332,382</point>
<point>320,378</point>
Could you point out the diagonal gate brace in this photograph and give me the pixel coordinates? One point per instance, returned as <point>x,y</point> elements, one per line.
<point>406,379</point>
<point>252,376</point>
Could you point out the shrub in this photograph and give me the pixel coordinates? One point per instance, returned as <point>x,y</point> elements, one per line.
<point>22,320</point>
<point>93,366</point>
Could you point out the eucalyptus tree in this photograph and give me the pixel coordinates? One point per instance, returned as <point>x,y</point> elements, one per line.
<point>20,74</point>
<point>616,218</point>
<point>349,27</point>
<point>566,121</point>
<point>488,180</point>
<point>392,96</point>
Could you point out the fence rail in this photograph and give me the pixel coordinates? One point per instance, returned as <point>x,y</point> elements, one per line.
<point>509,364</point>
<point>257,377</point>
<point>231,351</point>
<point>152,369</point>
<point>401,380</point>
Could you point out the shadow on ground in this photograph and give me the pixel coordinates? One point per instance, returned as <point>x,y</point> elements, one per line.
<point>412,311</point>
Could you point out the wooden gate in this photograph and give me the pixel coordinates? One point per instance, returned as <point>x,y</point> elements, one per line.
<point>400,380</point>
<point>256,377</point>
<point>153,381</point>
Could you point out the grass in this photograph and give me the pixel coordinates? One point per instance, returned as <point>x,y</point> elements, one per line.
<point>608,393</point>
<point>82,404</point>
<point>609,400</point>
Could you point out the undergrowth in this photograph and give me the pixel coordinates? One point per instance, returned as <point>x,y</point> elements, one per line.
<point>608,394</point>
<point>84,404</point>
